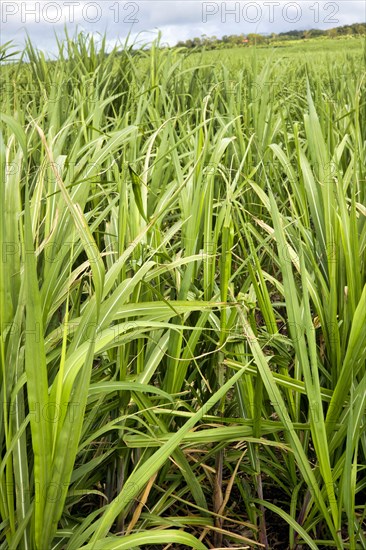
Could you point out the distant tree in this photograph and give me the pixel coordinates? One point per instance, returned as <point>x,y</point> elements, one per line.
<point>317,32</point>
<point>256,38</point>
<point>212,42</point>
<point>359,28</point>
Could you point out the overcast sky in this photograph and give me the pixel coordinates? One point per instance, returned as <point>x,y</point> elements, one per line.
<point>177,19</point>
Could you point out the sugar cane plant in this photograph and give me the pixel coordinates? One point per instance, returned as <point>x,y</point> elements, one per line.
<point>182,299</point>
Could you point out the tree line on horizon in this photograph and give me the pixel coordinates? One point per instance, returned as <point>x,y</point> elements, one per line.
<point>213,42</point>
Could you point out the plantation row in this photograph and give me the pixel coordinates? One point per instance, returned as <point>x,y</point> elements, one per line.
<point>183,299</point>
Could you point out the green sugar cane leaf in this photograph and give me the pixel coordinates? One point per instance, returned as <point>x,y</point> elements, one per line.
<point>81,225</point>
<point>355,357</point>
<point>17,130</point>
<point>106,387</point>
<point>290,520</point>
<point>142,474</point>
<point>136,188</point>
<point>37,380</point>
<point>68,438</point>
<point>131,542</point>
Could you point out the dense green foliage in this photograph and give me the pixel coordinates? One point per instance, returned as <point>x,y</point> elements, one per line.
<point>228,41</point>
<point>183,299</point>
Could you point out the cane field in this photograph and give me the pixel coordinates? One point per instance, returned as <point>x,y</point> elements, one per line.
<point>183,297</point>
